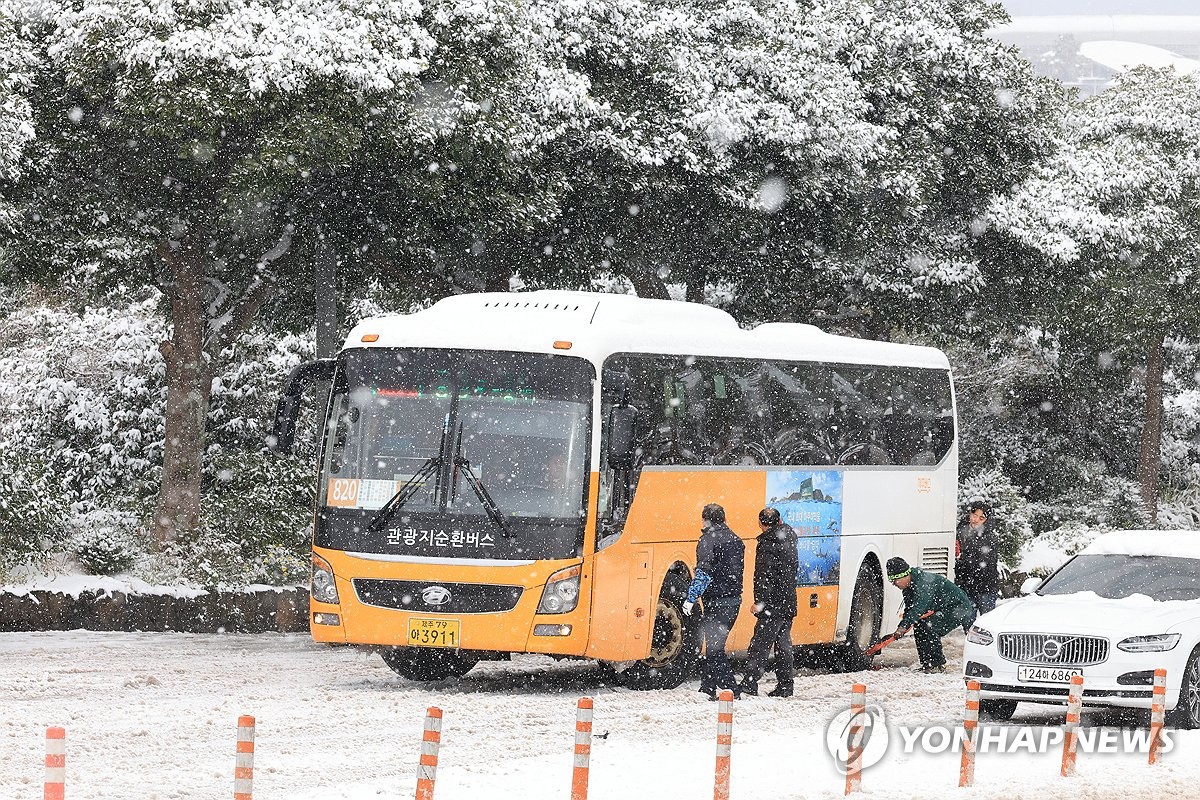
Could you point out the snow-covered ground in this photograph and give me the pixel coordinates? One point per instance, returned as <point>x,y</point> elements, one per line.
<point>153,716</point>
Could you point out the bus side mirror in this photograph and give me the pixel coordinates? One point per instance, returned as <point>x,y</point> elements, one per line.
<point>287,410</point>
<point>621,421</point>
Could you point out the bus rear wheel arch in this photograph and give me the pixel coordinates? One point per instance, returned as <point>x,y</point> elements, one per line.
<point>674,642</point>
<point>428,663</point>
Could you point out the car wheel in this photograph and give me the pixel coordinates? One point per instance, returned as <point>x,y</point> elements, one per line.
<point>866,616</point>
<point>428,664</point>
<point>1186,713</point>
<point>674,643</point>
<point>999,710</point>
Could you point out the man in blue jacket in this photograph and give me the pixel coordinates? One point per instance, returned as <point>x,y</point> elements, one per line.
<point>720,560</point>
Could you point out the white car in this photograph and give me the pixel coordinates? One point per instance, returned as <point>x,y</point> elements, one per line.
<point>1125,605</point>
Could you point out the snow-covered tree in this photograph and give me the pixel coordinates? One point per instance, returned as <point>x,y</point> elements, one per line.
<point>834,156</point>
<point>82,432</point>
<point>198,146</point>
<point>1115,210</point>
<point>17,60</point>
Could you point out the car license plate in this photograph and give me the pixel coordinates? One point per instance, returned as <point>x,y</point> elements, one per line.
<point>434,633</point>
<point>1031,672</point>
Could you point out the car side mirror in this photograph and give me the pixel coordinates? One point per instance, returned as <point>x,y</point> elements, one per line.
<point>621,422</point>
<point>1030,585</point>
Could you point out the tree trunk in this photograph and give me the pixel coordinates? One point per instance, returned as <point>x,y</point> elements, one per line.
<point>325,309</point>
<point>697,278</point>
<point>1150,445</point>
<point>646,282</point>
<point>189,387</point>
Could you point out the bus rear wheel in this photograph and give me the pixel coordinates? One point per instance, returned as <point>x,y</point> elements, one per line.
<point>428,664</point>
<point>674,643</point>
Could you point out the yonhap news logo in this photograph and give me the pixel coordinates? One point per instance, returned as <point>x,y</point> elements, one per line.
<point>873,735</point>
<point>878,737</point>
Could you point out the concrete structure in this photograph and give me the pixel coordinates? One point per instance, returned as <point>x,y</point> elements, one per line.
<point>1088,50</point>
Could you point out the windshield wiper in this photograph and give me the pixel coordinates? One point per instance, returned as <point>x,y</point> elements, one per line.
<point>405,493</point>
<point>413,484</point>
<point>489,505</point>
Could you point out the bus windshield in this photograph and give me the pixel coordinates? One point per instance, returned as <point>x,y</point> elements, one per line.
<point>509,427</point>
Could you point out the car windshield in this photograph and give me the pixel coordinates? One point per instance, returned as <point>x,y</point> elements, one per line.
<point>520,422</point>
<point>1117,576</point>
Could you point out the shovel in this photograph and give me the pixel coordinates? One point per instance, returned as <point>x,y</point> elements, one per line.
<point>885,641</point>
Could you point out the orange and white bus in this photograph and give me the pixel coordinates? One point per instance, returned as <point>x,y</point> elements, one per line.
<point>524,473</point>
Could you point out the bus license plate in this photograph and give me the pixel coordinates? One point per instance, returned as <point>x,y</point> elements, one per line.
<point>434,633</point>
<point>1029,672</point>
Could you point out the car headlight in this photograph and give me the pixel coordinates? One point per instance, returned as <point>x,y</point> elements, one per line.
<point>561,593</point>
<point>978,635</point>
<point>1157,643</point>
<point>324,587</point>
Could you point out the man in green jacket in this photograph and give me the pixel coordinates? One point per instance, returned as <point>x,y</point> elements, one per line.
<point>925,592</point>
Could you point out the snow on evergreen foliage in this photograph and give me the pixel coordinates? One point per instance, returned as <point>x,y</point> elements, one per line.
<point>261,47</point>
<point>84,392</point>
<point>16,114</point>
<point>1009,509</point>
<point>106,541</point>
<point>83,430</point>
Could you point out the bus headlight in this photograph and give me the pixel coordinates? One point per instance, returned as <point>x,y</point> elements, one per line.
<point>1149,644</point>
<point>561,593</point>
<point>324,588</point>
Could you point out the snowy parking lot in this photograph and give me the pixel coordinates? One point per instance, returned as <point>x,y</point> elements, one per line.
<point>154,716</point>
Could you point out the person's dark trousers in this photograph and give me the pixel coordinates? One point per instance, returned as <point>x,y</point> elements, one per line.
<point>771,632</point>
<point>929,633</point>
<point>718,619</point>
<point>984,601</point>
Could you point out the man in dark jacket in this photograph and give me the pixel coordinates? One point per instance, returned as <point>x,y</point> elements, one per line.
<point>975,568</point>
<point>924,592</point>
<point>775,566</point>
<point>720,560</point>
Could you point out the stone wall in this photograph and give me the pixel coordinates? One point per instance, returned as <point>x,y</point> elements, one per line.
<point>283,610</point>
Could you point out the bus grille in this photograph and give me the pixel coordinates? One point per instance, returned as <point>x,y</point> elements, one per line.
<point>1045,648</point>
<point>431,597</point>
<point>936,559</point>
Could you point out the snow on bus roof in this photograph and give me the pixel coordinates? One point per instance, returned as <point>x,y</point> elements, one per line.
<point>599,324</point>
<point>1180,544</point>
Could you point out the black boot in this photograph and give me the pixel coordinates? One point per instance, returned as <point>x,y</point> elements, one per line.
<point>782,690</point>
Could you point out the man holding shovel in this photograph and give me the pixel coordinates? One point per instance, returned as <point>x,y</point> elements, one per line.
<point>933,606</point>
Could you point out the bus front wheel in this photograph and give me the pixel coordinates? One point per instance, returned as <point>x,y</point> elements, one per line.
<point>674,643</point>
<point>866,617</point>
<point>428,664</point>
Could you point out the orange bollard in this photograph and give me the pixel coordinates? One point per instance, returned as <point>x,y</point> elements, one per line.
<point>431,740</point>
<point>243,765</point>
<point>56,764</point>
<point>966,767</point>
<point>1158,715</point>
<point>1074,705</point>
<point>855,745</point>
<point>724,744</point>
<point>583,749</point>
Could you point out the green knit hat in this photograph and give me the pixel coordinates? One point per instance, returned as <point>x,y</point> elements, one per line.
<point>897,568</point>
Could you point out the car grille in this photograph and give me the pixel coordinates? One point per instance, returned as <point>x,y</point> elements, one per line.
<point>433,597</point>
<point>1051,648</point>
